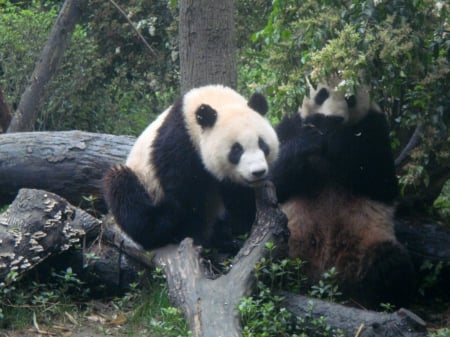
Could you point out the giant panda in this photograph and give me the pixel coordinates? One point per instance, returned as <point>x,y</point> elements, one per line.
<point>191,166</point>
<point>336,183</point>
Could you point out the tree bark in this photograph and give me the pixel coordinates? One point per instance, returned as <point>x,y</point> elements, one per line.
<point>207,43</point>
<point>210,304</point>
<point>51,55</point>
<point>5,113</point>
<point>37,225</point>
<point>69,163</point>
<point>356,322</point>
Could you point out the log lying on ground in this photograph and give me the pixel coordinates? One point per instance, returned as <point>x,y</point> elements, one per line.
<point>37,225</point>
<point>356,322</point>
<point>209,304</point>
<point>70,163</point>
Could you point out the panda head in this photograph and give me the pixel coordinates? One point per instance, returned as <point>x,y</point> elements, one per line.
<point>331,102</point>
<point>235,142</point>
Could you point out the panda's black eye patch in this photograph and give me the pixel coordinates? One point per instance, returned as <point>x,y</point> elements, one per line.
<point>263,146</point>
<point>321,96</point>
<point>351,101</point>
<point>236,151</point>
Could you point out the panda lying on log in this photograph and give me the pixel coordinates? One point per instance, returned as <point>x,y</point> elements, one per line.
<point>192,171</point>
<point>336,182</point>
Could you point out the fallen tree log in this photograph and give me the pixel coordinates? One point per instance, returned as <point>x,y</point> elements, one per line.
<point>37,225</point>
<point>68,163</point>
<point>355,322</point>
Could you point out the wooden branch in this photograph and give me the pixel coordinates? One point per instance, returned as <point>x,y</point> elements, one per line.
<point>356,322</point>
<point>142,38</point>
<point>27,111</point>
<point>412,143</point>
<point>69,163</point>
<point>210,304</point>
<point>37,225</point>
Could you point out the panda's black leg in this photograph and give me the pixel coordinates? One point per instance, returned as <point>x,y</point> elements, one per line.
<point>134,211</point>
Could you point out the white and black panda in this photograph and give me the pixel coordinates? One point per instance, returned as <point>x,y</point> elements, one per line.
<point>182,173</point>
<point>336,182</point>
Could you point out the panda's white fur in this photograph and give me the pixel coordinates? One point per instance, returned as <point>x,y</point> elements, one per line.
<point>211,121</point>
<point>140,159</point>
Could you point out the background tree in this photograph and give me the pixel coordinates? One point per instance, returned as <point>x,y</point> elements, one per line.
<point>207,43</point>
<point>26,113</point>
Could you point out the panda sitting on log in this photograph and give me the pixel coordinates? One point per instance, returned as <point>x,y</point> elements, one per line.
<point>336,182</point>
<point>192,171</point>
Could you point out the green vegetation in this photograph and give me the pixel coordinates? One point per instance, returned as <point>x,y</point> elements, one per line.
<point>263,315</point>
<point>401,47</point>
<point>441,333</point>
<point>63,300</point>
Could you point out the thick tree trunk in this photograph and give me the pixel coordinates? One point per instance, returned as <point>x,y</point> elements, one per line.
<point>70,163</point>
<point>207,43</point>
<point>27,111</point>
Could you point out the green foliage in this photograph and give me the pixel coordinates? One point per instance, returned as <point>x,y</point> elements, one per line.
<point>146,305</point>
<point>263,315</point>
<point>23,32</point>
<point>440,333</point>
<point>327,287</point>
<point>442,203</point>
<point>400,47</point>
<point>151,311</point>
<point>20,301</point>
<point>431,275</point>
<point>108,81</point>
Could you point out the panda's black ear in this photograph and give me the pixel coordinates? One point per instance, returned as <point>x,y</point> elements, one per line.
<point>206,116</point>
<point>258,103</point>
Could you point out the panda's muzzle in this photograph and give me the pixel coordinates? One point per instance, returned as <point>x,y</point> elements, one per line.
<point>257,178</point>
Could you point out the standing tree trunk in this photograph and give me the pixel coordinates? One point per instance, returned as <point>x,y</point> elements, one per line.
<point>207,43</point>
<point>51,55</point>
<point>5,113</point>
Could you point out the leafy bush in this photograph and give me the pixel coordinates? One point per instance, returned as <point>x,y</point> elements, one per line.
<point>263,315</point>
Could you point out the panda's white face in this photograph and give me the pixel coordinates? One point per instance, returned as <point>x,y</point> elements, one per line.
<point>240,148</point>
<point>325,101</point>
<point>330,102</point>
<point>235,142</point>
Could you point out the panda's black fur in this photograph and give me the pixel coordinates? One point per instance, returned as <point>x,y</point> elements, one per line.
<point>182,174</point>
<point>336,182</point>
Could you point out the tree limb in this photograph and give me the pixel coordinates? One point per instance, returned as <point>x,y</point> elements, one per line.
<point>51,55</point>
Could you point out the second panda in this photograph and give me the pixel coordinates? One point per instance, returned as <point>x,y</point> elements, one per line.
<point>205,152</point>
<point>336,182</point>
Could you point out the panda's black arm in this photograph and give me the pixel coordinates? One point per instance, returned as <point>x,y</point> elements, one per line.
<point>289,127</point>
<point>301,167</point>
<point>361,157</point>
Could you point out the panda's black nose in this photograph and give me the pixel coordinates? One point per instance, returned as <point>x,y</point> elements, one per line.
<point>259,173</point>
